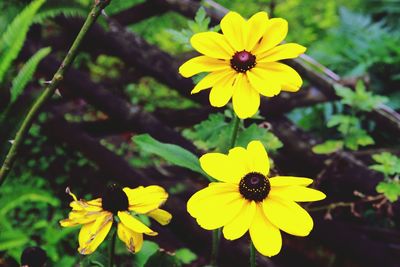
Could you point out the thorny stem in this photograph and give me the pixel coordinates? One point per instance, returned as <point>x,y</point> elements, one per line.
<point>50,89</point>
<point>112,249</point>
<point>217,232</point>
<point>252,255</point>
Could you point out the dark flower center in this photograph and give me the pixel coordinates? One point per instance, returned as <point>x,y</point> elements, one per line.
<point>243,61</point>
<point>114,199</point>
<point>254,186</point>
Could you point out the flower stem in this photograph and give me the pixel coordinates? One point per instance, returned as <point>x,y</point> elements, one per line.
<point>50,89</point>
<point>235,129</point>
<point>215,247</point>
<point>112,248</point>
<point>252,255</point>
<point>217,232</point>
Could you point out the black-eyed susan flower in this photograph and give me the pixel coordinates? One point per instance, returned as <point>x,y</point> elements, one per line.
<point>242,62</point>
<point>245,199</point>
<point>117,206</point>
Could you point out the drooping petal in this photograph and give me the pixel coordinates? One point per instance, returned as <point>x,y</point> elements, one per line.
<point>132,240</point>
<point>289,180</point>
<point>222,91</point>
<point>246,100</point>
<point>222,212</point>
<point>297,193</point>
<point>266,237</point>
<point>212,44</point>
<point>241,223</point>
<point>134,224</point>
<point>80,217</point>
<point>287,216</point>
<point>262,81</point>
<point>211,79</point>
<point>280,52</point>
<point>256,25</point>
<point>276,30</point>
<point>92,234</point>
<point>202,64</point>
<point>161,216</point>
<point>92,205</point>
<point>145,199</point>
<point>234,28</point>
<point>286,76</point>
<point>200,202</point>
<point>220,167</point>
<point>259,157</point>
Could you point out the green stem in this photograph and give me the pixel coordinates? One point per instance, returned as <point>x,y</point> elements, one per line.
<point>217,232</point>
<point>252,255</point>
<point>50,89</point>
<point>235,129</point>
<point>112,249</point>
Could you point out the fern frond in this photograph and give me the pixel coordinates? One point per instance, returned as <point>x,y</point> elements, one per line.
<point>26,73</point>
<point>56,8</point>
<point>13,39</point>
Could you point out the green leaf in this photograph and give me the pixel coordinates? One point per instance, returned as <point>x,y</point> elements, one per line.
<point>327,147</point>
<point>169,152</point>
<point>148,249</point>
<point>391,190</point>
<point>26,73</point>
<point>254,132</point>
<point>12,239</point>
<point>389,164</point>
<point>12,40</point>
<point>162,259</point>
<point>185,255</point>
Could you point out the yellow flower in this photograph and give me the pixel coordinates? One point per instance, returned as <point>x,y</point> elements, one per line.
<point>97,216</point>
<point>242,62</point>
<point>246,199</point>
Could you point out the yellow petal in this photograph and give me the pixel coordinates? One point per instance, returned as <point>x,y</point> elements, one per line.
<point>200,202</point>
<point>287,216</point>
<point>265,83</point>
<point>222,212</point>
<point>246,100</point>
<point>145,199</point>
<point>276,30</point>
<point>259,157</point>
<point>202,64</point>
<point>132,240</point>
<point>289,79</point>
<point>297,193</point>
<point>92,205</point>
<point>241,159</point>
<point>266,237</point>
<point>241,223</point>
<point>91,235</point>
<point>256,25</point>
<point>212,44</point>
<point>234,28</point>
<point>289,180</point>
<point>211,79</point>
<point>218,166</point>
<point>161,216</point>
<point>80,217</point>
<point>134,224</point>
<point>280,52</point>
<point>222,91</point>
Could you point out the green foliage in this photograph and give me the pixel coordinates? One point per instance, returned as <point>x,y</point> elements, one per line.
<point>148,249</point>
<point>360,98</point>
<point>328,146</point>
<point>67,8</point>
<point>388,164</point>
<point>169,152</point>
<point>162,259</point>
<point>26,73</point>
<point>214,133</point>
<point>12,40</point>
<point>357,44</point>
<point>185,255</point>
<point>200,24</point>
<point>390,189</point>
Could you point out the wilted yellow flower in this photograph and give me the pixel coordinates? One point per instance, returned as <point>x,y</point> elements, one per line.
<point>97,216</point>
<point>242,62</point>
<point>246,199</point>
